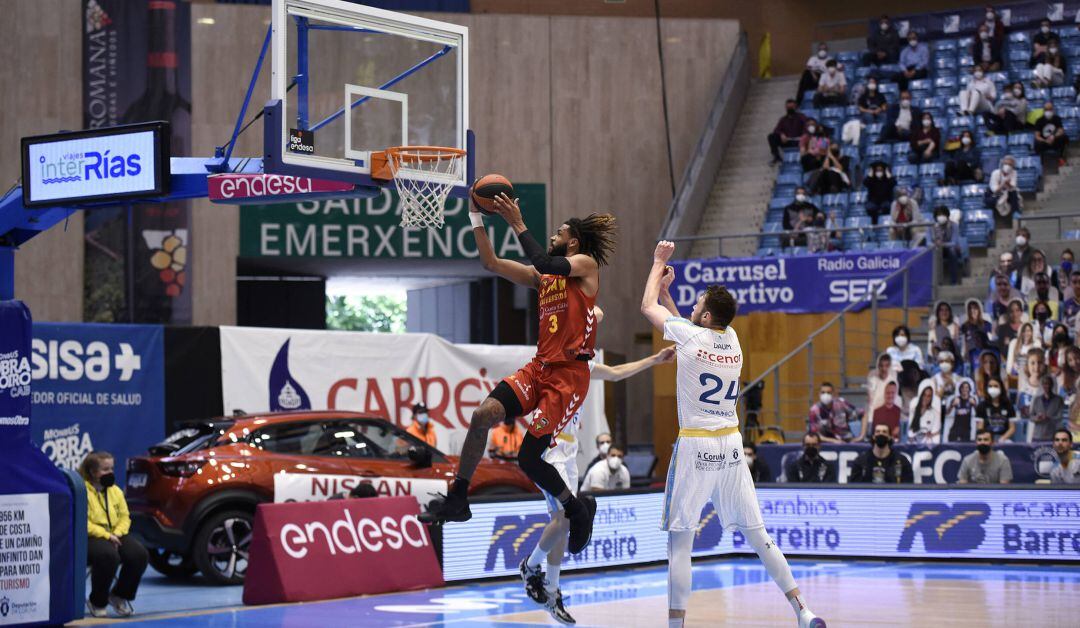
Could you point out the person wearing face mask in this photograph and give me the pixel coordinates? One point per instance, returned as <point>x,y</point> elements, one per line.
<point>964,162</point>
<point>789,128</point>
<point>996,413</point>
<point>1010,112</point>
<point>986,51</point>
<point>925,141</point>
<point>1043,322</point>
<point>795,217</point>
<point>1067,467</point>
<point>901,120</point>
<point>830,417</point>
<point>872,104</point>
<point>995,26</point>
<point>903,349</point>
<point>1022,252</point>
<point>962,410</point>
<point>832,177</point>
<point>1060,277</point>
<point>946,379</point>
<point>914,61</point>
<point>1003,194</point>
<point>810,466</point>
<point>985,465</point>
<point>1050,134</point>
<point>979,95</point>
<point>603,444</point>
<point>879,185</point>
<point>815,67</point>
<point>1070,309</point>
<point>1042,41</point>
<point>831,87</point>
<point>1047,409</point>
<point>1049,66</point>
<point>505,440</point>
<point>608,475</point>
<point>759,469</point>
<point>904,210</point>
<point>421,426</point>
<point>883,44</point>
<point>110,546</point>
<point>946,236</point>
<point>881,464</point>
<point>813,146</point>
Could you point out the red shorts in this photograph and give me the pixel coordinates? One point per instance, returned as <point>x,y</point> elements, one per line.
<point>554,391</point>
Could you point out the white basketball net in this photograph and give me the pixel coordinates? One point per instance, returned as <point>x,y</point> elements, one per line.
<point>423,177</point>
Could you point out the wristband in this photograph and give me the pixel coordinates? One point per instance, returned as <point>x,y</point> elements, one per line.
<point>477,219</point>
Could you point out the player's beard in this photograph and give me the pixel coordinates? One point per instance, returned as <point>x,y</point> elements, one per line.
<point>557,250</point>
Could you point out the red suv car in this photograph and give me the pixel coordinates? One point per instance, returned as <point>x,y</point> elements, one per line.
<point>193,498</point>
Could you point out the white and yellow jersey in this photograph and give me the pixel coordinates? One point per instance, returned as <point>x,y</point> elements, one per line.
<point>709,366</point>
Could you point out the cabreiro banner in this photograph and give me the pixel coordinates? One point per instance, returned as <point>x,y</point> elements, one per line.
<point>806,284</point>
<point>381,375</point>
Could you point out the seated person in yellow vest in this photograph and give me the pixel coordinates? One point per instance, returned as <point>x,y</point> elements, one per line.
<point>421,426</point>
<point>110,546</point>
<point>609,475</point>
<point>505,439</point>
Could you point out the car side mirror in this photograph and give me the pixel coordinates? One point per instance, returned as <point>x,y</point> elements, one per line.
<point>420,457</point>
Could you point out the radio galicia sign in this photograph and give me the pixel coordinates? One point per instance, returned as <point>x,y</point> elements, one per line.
<point>114,163</point>
<point>807,284</point>
<point>368,228</point>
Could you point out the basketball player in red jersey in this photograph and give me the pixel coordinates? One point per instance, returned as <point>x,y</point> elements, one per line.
<point>554,384</point>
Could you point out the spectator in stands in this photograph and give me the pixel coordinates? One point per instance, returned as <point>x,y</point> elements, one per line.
<point>1071,307</point>
<point>1059,343</point>
<point>879,185</point>
<point>914,61</point>
<point>603,444</point>
<point>610,475</point>
<point>1009,324</point>
<point>924,417</point>
<point>903,349</point>
<point>505,440</point>
<point>876,380</point>
<point>962,409</point>
<point>759,469</point>
<point>797,215</point>
<point>1028,381</point>
<point>831,87</point>
<point>1050,133</point>
<point>888,413</point>
<point>820,237</point>
<point>1004,267</point>
<point>1043,40</point>
<point>964,162</point>
<point>1027,278</point>
<point>810,467</point>
<point>904,210</point>
<point>946,379</point>
<point>872,104</point>
<point>996,412</point>
<point>813,145</point>
<point>1061,275</point>
<point>1069,373</point>
<point>832,177</point>
<point>829,417</point>
<point>1047,410</point>
<point>979,95</point>
<point>110,546</point>
<point>985,466</point>
<point>1023,251</point>
<point>881,464</point>
<point>1043,320</point>
<point>1004,293</point>
<point>1074,416</point>
<point>1046,294</point>
<point>789,129</point>
<point>942,324</point>
<point>883,47</point>
<point>1050,68</point>
<point>1020,348</point>
<point>901,121</point>
<point>421,426</point>
<point>986,51</point>
<point>1067,469</point>
<point>946,236</point>
<point>1004,189</point>
<point>1010,112</point>
<point>996,26</point>
<point>925,141</point>
<point>989,367</point>
<point>815,67</point>
<point>975,331</point>
<point>953,347</point>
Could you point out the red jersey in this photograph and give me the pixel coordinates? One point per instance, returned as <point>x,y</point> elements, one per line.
<point>567,323</point>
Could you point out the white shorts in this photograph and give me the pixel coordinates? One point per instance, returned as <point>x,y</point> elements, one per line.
<point>563,456</point>
<point>704,468</point>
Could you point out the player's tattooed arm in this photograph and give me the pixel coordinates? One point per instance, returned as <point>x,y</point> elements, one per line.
<point>650,306</point>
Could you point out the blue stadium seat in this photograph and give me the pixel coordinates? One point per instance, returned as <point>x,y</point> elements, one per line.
<point>1019,56</point>
<point>891,91</point>
<point>920,88</point>
<point>1023,74</point>
<point>1021,38</point>
<point>1021,144</point>
<point>945,46</point>
<point>929,174</point>
<point>906,174</point>
<point>1070,116</point>
<point>1072,234</point>
<point>948,195</point>
<point>767,252</point>
<point>999,79</point>
<point>945,85</point>
<point>960,123</point>
<point>1037,97</point>
<point>858,197</point>
<point>790,169</point>
<point>945,66</point>
<point>779,203</point>
<point>789,179</point>
<point>977,226</point>
<point>1065,92</point>
<point>791,156</point>
<point>879,151</point>
<point>1028,173</point>
<point>966,62</point>
<point>848,57</point>
<point>838,202</point>
<point>971,196</point>
<point>893,245</point>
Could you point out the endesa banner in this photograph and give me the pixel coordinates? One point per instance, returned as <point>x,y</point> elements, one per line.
<point>97,387</point>
<point>939,464</point>
<point>874,522</point>
<point>381,375</point>
<point>806,284</point>
<point>321,550</point>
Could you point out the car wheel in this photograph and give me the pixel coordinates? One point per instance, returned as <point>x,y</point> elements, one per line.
<point>498,490</point>
<point>221,546</point>
<point>171,564</point>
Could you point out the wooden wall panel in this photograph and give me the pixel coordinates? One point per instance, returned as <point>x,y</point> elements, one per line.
<point>40,43</point>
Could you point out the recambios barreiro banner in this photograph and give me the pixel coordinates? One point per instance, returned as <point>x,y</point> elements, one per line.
<point>806,284</point>
<point>879,522</point>
<point>379,374</point>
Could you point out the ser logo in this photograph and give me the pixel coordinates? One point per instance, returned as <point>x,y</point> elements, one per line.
<point>944,528</point>
<point>513,537</point>
<point>854,290</point>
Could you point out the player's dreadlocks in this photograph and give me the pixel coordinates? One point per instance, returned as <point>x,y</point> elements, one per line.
<point>595,234</point>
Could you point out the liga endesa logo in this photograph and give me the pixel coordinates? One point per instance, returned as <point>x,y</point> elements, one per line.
<point>347,536</point>
<point>944,528</point>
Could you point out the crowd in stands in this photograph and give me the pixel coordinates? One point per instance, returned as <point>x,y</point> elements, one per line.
<point>911,131</point>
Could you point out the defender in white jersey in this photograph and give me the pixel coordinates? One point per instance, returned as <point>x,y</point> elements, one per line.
<point>540,585</point>
<point>707,461</point>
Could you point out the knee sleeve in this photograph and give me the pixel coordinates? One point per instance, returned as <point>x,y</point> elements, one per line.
<point>680,544</point>
<point>531,460</point>
<point>771,556</point>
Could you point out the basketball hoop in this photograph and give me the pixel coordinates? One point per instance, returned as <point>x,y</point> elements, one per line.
<point>423,176</point>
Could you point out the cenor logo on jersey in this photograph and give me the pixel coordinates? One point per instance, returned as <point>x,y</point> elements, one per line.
<point>944,528</point>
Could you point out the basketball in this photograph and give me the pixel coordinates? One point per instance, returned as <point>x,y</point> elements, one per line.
<point>486,189</point>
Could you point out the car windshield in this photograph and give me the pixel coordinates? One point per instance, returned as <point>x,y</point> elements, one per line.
<point>188,439</point>
<point>350,438</point>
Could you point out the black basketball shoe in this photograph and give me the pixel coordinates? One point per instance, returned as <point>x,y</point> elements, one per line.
<point>534,582</point>
<point>558,611</point>
<point>450,508</point>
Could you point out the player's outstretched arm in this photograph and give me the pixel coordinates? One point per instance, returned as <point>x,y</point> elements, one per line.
<point>510,270</point>
<point>622,371</point>
<point>650,306</point>
<point>573,266</point>
<point>665,291</point>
